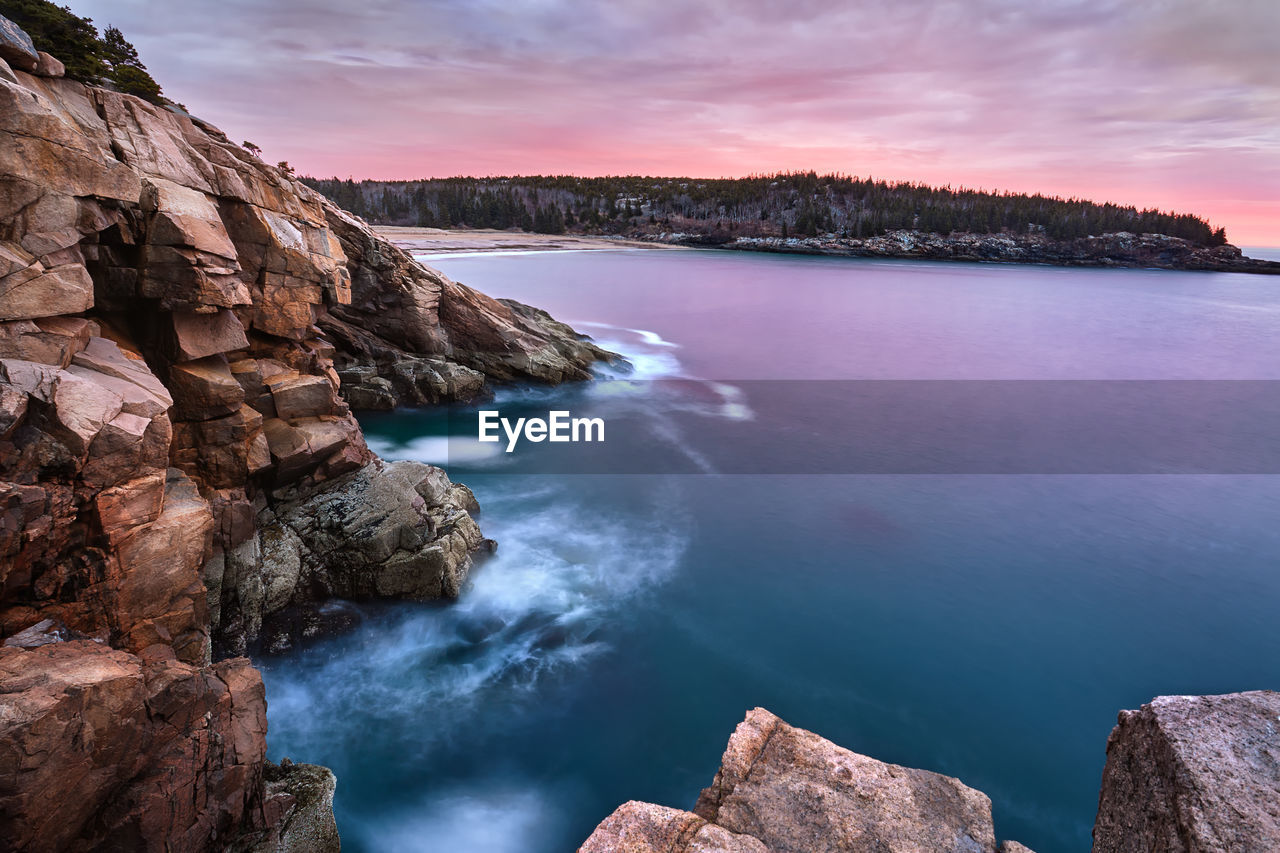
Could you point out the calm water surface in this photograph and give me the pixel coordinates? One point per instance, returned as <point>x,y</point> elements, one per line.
<point>984,626</point>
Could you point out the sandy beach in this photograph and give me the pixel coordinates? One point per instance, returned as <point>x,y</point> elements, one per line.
<point>444,241</point>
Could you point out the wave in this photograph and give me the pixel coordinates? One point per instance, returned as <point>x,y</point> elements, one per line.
<point>537,607</point>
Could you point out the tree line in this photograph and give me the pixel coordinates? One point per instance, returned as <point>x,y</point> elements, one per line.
<point>89,57</point>
<point>799,204</point>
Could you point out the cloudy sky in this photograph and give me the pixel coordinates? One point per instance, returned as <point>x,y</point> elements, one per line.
<point>1168,103</point>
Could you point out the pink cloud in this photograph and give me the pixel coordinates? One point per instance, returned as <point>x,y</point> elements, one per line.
<point>1167,103</point>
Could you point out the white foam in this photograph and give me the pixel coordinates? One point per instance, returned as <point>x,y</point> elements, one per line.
<point>493,819</point>
<point>535,608</point>
<point>646,336</point>
<point>437,450</point>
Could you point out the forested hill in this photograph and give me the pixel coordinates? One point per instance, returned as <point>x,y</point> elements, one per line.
<point>799,204</point>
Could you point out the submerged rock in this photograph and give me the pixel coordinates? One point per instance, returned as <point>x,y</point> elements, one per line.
<point>1193,773</point>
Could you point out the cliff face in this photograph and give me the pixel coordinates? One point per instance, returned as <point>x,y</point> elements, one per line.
<point>179,474</point>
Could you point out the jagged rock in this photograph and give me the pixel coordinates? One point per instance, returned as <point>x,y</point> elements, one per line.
<point>397,530</point>
<point>1192,773</point>
<point>157,595</point>
<point>141,391</point>
<point>137,502</point>
<point>40,290</point>
<point>784,790</point>
<point>101,750</point>
<point>400,309</point>
<point>364,389</point>
<point>795,791</point>
<point>49,340</point>
<point>309,826</point>
<point>79,405</point>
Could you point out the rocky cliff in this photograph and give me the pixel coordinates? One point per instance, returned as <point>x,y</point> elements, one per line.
<point>180,475</point>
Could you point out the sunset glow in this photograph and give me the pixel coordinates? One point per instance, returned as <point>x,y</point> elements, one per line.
<point>1166,103</point>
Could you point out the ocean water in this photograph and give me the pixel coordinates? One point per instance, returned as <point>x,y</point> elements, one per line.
<point>960,594</point>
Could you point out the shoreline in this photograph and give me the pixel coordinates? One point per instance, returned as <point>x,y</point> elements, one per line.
<point>1121,250</point>
<point>466,241</point>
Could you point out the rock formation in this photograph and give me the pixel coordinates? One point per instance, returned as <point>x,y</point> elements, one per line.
<point>1193,773</point>
<point>785,790</point>
<point>1183,774</point>
<point>1118,249</point>
<point>178,468</point>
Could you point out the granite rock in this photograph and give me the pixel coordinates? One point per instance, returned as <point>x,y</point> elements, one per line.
<point>1193,773</point>
<point>781,789</point>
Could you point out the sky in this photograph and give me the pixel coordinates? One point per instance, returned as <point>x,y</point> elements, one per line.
<point>1158,103</point>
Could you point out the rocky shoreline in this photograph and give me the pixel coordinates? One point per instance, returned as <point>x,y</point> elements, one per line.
<point>184,331</point>
<point>1121,249</point>
<point>1183,774</point>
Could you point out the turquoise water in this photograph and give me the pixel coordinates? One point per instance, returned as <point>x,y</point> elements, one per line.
<point>984,625</point>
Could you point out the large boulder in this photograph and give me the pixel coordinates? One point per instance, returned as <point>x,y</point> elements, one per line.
<point>1193,773</point>
<point>16,47</point>
<point>388,530</point>
<point>793,790</point>
<point>785,790</point>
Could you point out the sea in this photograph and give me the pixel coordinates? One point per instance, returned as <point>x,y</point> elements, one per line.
<point>952,516</point>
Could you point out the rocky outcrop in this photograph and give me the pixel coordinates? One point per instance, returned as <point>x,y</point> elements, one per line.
<point>1183,774</point>
<point>103,748</point>
<point>399,530</point>
<point>783,790</point>
<point>1192,773</point>
<point>412,336</point>
<point>1118,249</point>
<point>305,794</point>
<point>179,474</point>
